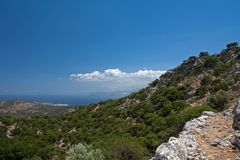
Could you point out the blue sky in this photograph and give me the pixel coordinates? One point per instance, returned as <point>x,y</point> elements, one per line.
<point>44,42</point>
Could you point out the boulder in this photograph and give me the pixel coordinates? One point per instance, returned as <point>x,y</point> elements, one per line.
<point>175,149</point>
<point>236,124</point>
<point>237,138</point>
<point>236,117</point>
<point>215,142</point>
<point>183,147</point>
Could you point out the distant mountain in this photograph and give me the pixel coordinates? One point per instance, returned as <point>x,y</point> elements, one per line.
<point>30,108</point>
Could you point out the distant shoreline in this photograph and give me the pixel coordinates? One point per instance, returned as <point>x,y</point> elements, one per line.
<point>56,100</point>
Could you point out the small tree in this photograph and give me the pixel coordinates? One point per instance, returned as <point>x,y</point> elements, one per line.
<point>232,45</point>
<point>211,61</point>
<point>203,54</point>
<point>84,152</point>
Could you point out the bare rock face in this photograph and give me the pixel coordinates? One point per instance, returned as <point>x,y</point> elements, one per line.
<point>215,142</point>
<point>237,138</point>
<point>236,118</point>
<point>175,149</point>
<point>236,124</point>
<point>211,136</point>
<point>184,147</point>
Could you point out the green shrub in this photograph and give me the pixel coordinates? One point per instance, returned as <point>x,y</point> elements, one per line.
<point>174,93</point>
<point>218,100</point>
<point>124,149</point>
<point>84,152</point>
<point>192,58</point>
<point>201,91</point>
<point>179,77</point>
<point>166,109</point>
<point>193,112</point>
<point>232,45</point>
<point>206,80</point>
<point>198,69</point>
<point>179,105</point>
<point>157,99</point>
<point>203,54</point>
<point>141,95</point>
<point>219,69</point>
<point>211,61</point>
<point>35,158</point>
<point>222,85</point>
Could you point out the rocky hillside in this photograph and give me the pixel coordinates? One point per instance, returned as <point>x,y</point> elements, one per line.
<point>132,127</point>
<point>207,74</point>
<point>212,136</point>
<point>29,108</point>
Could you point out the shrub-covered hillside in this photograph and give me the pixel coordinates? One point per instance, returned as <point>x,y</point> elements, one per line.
<point>130,128</point>
<point>26,108</point>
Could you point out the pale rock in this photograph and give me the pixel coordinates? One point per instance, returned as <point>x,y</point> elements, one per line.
<point>215,142</point>
<point>236,118</point>
<point>184,147</point>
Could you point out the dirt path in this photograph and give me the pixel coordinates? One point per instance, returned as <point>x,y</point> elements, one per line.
<point>215,140</point>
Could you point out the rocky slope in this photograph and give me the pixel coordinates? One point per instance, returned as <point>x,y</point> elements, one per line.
<point>210,137</point>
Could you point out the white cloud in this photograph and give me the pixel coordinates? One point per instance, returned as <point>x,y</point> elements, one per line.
<point>117,74</point>
<point>114,80</point>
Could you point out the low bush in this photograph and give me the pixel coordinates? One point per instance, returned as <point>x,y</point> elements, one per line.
<point>203,54</point>
<point>211,61</point>
<point>218,100</point>
<point>84,152</point>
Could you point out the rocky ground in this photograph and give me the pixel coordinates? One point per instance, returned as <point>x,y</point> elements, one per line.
<point>209,137</point>
<point>216,139</point>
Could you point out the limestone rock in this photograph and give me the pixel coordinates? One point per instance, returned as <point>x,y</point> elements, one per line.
<point>215,142</point>
<point>237,138</point>
<point>236,118</point>
<point>183,147</point>
<point>236,124</point>
<point>175,150</point>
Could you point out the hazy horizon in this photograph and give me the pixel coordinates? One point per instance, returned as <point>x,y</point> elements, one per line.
<point>69,99</point>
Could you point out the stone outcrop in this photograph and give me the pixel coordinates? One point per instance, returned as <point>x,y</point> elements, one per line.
<point>236,124</point>
<point>236,118</point>
<point>183,147</point>
<point>237,138</point>
<point>211,136</point>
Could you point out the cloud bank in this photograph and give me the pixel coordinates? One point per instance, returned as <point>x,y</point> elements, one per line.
<point>116,74</point>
